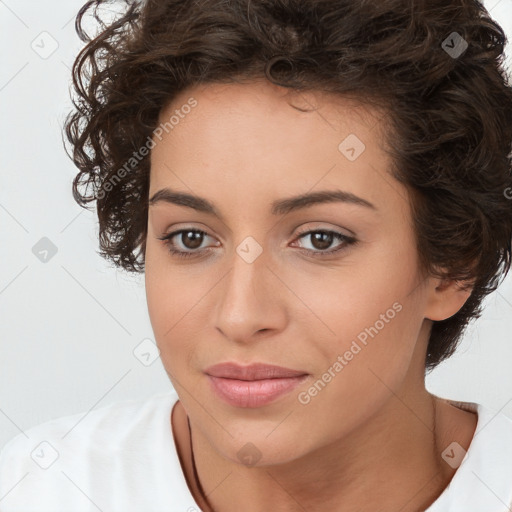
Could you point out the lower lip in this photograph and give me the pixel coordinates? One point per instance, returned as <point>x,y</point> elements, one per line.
<point>253,393</point>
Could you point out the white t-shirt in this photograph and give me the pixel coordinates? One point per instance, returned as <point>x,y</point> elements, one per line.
<point>122,458</point>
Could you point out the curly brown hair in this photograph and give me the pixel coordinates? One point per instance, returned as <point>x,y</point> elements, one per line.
<point>436,67</point>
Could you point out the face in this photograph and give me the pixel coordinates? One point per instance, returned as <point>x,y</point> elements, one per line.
<point>328,289</point>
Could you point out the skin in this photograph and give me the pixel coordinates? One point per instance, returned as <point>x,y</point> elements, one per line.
<point>368,440</point>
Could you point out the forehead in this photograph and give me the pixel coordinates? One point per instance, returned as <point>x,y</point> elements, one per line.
<point>263,99</point>
<point>259,138</point>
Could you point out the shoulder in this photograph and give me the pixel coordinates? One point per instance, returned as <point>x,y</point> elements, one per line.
<point>67,459</point>
<point>107,427</point>
<point>484,466</point>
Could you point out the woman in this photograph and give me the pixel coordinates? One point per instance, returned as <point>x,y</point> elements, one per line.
<point>319,195</point>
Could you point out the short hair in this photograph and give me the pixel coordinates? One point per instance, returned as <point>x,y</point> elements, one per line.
<point>435,67</point>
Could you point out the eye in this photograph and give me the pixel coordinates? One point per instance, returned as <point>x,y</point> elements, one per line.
<point>192,239</point>
<point>322,239</point>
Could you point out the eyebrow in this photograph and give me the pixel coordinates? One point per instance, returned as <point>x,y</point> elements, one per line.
<point>279,207</point>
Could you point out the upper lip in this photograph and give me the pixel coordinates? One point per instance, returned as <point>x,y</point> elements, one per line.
<point>255,371</point>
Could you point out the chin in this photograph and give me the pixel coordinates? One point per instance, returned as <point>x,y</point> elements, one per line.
<point>255,448</point>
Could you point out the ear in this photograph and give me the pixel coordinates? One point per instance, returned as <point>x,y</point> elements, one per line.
<point>445,297</point>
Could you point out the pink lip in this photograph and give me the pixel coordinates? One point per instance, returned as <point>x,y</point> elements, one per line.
<point>254,385</point>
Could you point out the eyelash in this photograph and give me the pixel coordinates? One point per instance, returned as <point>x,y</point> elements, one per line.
<point>348,241</point>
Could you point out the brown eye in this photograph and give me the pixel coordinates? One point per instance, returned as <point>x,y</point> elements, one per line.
<point>192,239</point>
<point>322,239</point>
<point>185,242</point>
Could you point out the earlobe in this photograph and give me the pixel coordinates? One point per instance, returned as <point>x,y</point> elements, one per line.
<point>446,298</point>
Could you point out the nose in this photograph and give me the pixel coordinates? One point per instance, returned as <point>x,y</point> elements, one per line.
<point>251,301</point>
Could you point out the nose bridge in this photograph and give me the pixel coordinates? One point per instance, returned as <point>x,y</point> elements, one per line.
<point>239,287</point>
<point>245,305</point>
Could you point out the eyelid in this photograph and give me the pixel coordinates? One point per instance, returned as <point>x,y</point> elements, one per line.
<point>346,241</point>
<point>322,227</point>
<point>302,231</point>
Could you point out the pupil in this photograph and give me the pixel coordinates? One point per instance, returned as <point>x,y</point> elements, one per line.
<point>194,236</point>
<point>325,240</point>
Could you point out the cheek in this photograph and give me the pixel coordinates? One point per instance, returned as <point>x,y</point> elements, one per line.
<point>169,289</point>
<point>369,314</point>
<point>162,292</point>
<point>367,362</point>
<point>175,300</point>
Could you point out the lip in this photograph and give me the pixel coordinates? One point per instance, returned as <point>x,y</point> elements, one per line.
<point>254,385</point>
<point>254,371</point>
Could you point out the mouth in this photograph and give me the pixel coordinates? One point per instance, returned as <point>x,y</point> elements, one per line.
<point>252,386</point>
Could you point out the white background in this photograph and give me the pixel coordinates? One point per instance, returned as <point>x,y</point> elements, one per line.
<point>68,327</point>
